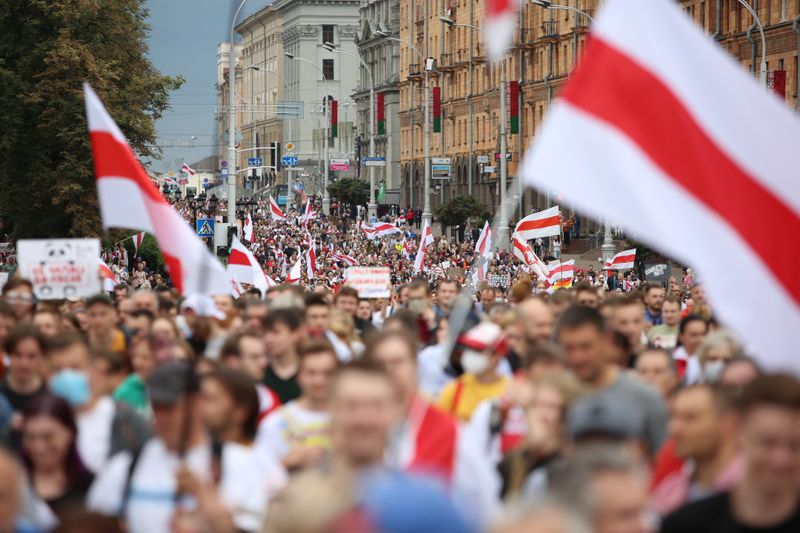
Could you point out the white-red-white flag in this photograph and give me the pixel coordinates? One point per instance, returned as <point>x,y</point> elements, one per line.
<point>189,170</point>
<point>525,253</point>
<point>247,228</point>
<point>311,261</point>
<point>545,223</point>
<point>128,199</point>
<point>344,258</point>
<point>652,131</point>
<point>425,240</point>
<point>137,242</point>
<point>501,16</point>
<point>561,273</point>
<point>275,210</point>
<point>622,261</point>
<point>369,231</point>
<point>296,273</point>
<point>244,267</point>
<point>109,278</point>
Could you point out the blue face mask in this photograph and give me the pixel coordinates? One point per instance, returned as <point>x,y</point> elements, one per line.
<point>71,385</point>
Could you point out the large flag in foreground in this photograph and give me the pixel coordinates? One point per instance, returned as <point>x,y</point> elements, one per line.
<point>128,199</point>
<point>663,132</point>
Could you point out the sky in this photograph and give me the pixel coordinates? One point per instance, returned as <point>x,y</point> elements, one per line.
<point>183,40</point>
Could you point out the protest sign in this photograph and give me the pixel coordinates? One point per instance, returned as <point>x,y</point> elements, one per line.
<point>60,268</point>
<point>370,282</point>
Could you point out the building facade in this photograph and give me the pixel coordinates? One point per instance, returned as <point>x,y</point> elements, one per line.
<point>546,46</point>
<point>380,19</point>
<point>262,88</point>
<point>306,25</point>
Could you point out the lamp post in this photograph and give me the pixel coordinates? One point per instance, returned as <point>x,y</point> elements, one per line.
<point>232,121</point>
<point>427,216</point>
<point>372,206</point>
<point>548,4</point>
<point>326,199</point>
<point>503,229</point>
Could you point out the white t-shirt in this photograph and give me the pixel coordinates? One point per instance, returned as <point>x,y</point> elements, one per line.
<point>247,484</point>
<point>94,433</point>
<point>292,425</point>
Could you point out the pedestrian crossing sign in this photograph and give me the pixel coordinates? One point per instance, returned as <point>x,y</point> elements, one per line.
<point>205,227</point>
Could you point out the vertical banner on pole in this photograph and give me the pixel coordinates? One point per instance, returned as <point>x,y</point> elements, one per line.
<point>512,106</point>
<point>380,114</point>
<point>334,114</point>
<point>437,109</point>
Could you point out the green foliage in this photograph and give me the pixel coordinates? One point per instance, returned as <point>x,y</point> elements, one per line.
<point>349,191</point>
<point>457,211</point>
<point>48,48</point>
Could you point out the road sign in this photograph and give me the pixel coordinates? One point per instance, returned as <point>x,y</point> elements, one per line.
<point>373,161</point>
<point>489,170</point>
<point>223,164</point>
<point>289,109</point>
<point>440,160</point>
<point>254,162</point>
<point>205,227</point>
<point>289,147</point>
<point>373,158</point>
<point>497,156</point>
<point>289,160</point>
<point>224,171</point>
<point>482,159</point>
<point>205,180</point>
<point>440,172</point>
<point>340,164</point>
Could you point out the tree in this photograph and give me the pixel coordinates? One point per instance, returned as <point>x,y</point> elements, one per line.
<point>349,191</point>
<point>458,210</point>
<point>48,48</point>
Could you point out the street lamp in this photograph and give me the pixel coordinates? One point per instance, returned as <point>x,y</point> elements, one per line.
<point>548,4</point>
<point>372,206</point>
<point>232,121</point>
<point>502,230</point>
<point>326,199</point>
<point>427,216</point>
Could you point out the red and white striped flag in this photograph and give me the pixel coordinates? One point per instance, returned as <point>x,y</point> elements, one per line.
<point>525,253</point>
<point>137,242</point>
<point>369,231</point>
<point>244,267</point>
<point>501,16</point>
<point>337,256</point>
<point>189,170</point>
<point>296,273</point>
<point>425,240</point>
<point>561,273</point>
<point>483,249</point>
<point>247,228</point>
<point>545,223</point>
<point>311,261</point>
<point>109,278</point>
<point>308,214</point>
<point>128,199</point>
<point>667,134</point>
<point>275,210</point>
<point>622,261</point>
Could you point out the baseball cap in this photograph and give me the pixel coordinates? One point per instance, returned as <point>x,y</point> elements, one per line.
<point>170,381</point>
<point>605,413</point>
<point>485,336</point>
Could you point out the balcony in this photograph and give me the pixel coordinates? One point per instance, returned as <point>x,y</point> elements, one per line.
<point>414,70</point>
<point>549,32</point>
<point>462,56</point>
<point>527,38</point>
<point>446,62</point>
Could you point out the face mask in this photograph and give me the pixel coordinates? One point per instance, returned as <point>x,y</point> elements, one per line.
<point>474,362</point>
<point>71,385</point>
<point>712,370</point>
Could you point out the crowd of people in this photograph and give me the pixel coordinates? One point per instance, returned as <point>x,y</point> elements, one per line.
<point>311,409</point>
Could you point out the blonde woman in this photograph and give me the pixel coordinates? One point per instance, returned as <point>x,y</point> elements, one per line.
<point>344,327</point>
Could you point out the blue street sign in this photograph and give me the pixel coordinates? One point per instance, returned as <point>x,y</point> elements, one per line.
<point>289,160</point>
<point>370,158</point>
<point>299,186</point>
<point>282,200</point>
<point>205,180</point>
<point>255,162</point>
<point>223,164</point>
<point>205,227</point>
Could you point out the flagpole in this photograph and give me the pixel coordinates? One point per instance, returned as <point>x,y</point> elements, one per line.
<point>232,122</point>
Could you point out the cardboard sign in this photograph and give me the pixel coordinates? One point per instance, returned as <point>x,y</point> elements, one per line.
<point>60,268</point>
<point>370,282</point>
<point>657,272</point>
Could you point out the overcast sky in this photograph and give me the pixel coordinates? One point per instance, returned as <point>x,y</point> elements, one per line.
<point>183,40</point>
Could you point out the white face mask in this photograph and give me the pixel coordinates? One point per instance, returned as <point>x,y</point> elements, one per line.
<point>712,370</point>
<point>474,362</point>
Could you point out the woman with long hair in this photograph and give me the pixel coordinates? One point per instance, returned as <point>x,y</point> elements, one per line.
<point>50,454</point>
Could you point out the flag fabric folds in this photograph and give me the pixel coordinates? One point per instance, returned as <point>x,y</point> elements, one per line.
<point>137,242</point>
<point>247,228</point>
<point>311,261</point>
<point>275,210</point>
<point>561,273</point>
<point>128,199</point>
<point>187,169</point>
<point>499,29</point>
<point>344,258</point>
<point>244,267</point>
<point>295,273</point>
<point>483,253</point>
<point>651,131</point>
<point>525,253</point>
<point>545,223</point>
<point>109,278</point>
<point>622,261</point>
<point>425,240</point>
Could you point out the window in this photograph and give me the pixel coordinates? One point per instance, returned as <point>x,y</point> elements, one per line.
<point>327,68</point>
<point>327,33</point>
